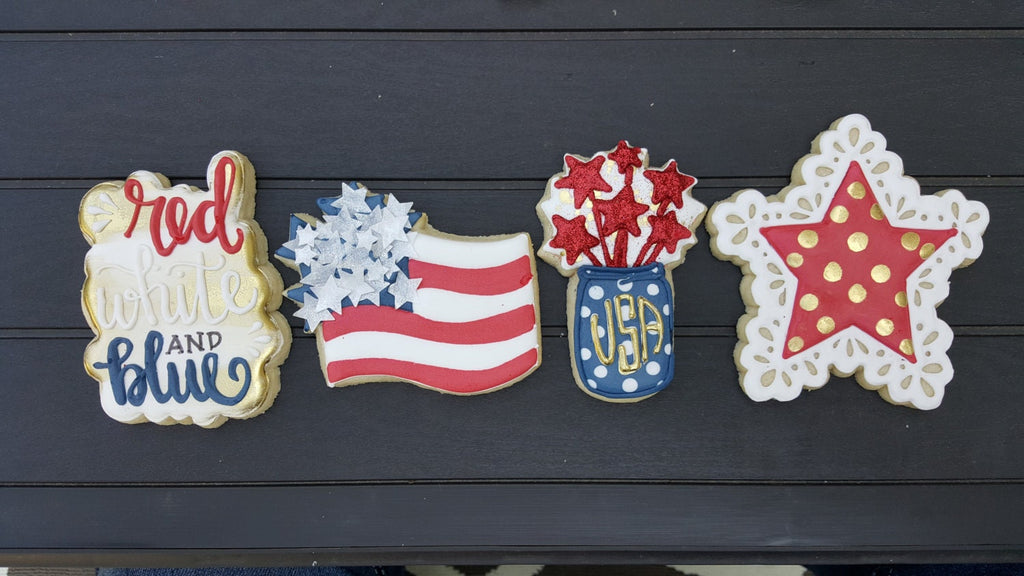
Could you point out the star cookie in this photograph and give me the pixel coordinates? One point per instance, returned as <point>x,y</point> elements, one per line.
<point>843,271</point>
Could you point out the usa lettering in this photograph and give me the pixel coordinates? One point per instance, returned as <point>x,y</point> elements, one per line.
<point>636,319</point>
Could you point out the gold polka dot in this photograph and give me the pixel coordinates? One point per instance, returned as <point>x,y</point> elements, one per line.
<point>826,324</point>
<point>808,302</point>
<point>857,241</point>
<point>910,240</point>
<point>857,293</point>
<point>876,212</point>
<point>927,250</point>
<point>795,259</point>
<point>884,327</point>
<point>808,239</point>
<point>839,214</point>
<point>906,346</point>
<point>856,190</point>
<point>901,299</point>
<point>833,272</point>
<point>881,273</point>
<point>795,344</point>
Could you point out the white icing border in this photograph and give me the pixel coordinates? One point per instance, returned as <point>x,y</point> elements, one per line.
<point>768,288</point>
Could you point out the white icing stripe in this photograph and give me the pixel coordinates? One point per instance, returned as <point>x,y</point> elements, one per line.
<point>470,253</point>
<point>365,345</point>
<point>445,306</point>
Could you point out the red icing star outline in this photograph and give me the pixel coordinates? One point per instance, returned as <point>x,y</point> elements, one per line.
<point>852,269</point>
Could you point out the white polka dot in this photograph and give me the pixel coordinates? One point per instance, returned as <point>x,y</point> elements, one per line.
<point>668,348</point>
<point>630,385</point>
<point>628,347</point>
<point>591,383</point>
<point>653,368</point>
<point>600,371</point>
<point>653,289</point>
<point>585,353</point>
<point>585,312</point>
<point>596,292</point>
<point>666,310</point>
<point>600,331</point>
<point>624,286</point>
<point>624,311</point>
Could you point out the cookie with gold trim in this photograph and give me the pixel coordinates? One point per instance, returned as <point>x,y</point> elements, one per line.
<point>843,271</point>
<point>182,299</point>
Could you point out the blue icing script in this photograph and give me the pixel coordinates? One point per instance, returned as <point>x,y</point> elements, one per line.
<point>623,300</point>
<point>131,383</point>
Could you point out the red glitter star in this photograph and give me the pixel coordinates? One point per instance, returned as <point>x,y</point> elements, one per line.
<point>852,269</point>
<point>584,178</point>
<point>666,231</point>
<point>620,213</point>
<point>669,184</point>
<point>572,236</point>
<point>625,156</point>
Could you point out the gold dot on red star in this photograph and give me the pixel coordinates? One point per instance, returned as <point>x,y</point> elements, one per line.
<point>625,156</point>
<point>852,269</point>
<point>669,184</point>
<point>584,178</point>
<point>573,237</point>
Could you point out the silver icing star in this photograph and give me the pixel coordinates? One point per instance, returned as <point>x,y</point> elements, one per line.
<point>330,294</point>
<point>318,273</point>
<point>399,210</point>
<point>404,289</point>
<point>305,235</point>
<point>305,255</point>
<point>354,199</point>
<point>310,314</point>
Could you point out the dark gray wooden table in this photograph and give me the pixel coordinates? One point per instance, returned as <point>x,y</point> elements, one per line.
<point>466,108</point>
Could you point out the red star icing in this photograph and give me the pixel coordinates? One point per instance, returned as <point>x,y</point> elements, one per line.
<point>852,269</point>
<point>669,184</point>
<point>572,236</point>
<point>625,156</point>
<point>620,213</point>
<point>584,178</point>
<point>666,231</point>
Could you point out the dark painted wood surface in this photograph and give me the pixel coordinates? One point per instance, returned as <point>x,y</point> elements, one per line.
<point>508,15</point>
<point>466,109</point>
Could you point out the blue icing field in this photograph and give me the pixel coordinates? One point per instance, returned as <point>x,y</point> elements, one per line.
<point>616,357</point>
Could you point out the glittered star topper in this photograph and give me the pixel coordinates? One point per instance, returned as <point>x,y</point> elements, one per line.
<point>845,269</point>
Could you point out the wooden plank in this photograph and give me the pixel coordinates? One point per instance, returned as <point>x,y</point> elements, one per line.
<point>498,106</point>
<point>518,523</point>
<point>707,290</point>
<point>496,15</point>
<point>701,428</point>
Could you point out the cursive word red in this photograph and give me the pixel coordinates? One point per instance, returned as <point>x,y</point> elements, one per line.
<point>173,214</point>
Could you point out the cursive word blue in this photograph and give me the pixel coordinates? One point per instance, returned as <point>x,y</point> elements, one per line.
<point>131,383</point>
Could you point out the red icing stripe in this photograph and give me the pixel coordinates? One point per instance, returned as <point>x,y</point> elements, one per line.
<point>386,319</point>
<point>480,281</point>
<point>446,379</point>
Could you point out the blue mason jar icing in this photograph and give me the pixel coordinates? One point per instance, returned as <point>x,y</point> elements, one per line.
<point>622,347</point>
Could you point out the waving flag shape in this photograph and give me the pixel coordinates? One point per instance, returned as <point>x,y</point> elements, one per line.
<point>454,314</point>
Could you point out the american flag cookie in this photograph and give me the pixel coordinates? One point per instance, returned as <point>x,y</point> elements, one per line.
<point>392,299</point>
